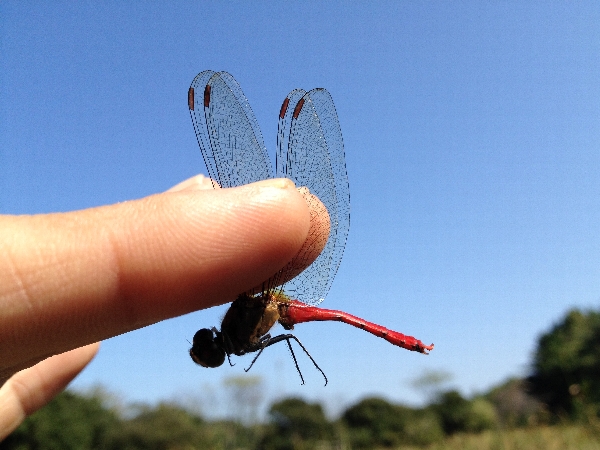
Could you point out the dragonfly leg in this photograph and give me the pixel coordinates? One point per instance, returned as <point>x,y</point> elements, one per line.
<point>267,340</point>
<point>260,346</point>
<point>287,337</point>
<point>287,341</point>
<point>227,346</point>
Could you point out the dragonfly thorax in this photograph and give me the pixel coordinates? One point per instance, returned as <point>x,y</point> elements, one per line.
<point>247,320</point>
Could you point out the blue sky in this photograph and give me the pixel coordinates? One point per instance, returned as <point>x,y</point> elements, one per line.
<point>472,136</point>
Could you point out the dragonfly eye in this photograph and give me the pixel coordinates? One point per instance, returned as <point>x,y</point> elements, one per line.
<point>205,350</point>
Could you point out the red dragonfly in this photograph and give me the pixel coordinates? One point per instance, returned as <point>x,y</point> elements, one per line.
<point>310,151</point>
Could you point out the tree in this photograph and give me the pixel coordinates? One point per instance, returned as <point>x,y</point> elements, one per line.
<point>374,422</point>
<point>458,414</point>
<point>69,421</point>
<point>166,426</point>
<point>431,382</point>
<point>246,394</point>
<point>296,424</point>
<point>515,406</point>
<point>566,367</point>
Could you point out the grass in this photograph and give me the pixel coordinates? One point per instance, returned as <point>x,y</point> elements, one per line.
<point>564,437</point>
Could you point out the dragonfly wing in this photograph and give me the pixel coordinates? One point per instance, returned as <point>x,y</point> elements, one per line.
<point>311,153</point>
<point>283,131</point>
<point>199,120</point>
<point>227,131</point>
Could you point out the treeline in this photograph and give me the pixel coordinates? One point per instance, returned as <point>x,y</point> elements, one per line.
<point>77,421</point>
<point>564,386</point>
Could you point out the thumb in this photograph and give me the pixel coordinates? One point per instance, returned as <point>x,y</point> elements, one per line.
<point>30,389</point>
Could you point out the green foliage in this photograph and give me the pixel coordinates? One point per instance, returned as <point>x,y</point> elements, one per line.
<point>422,428</point>
<point>514,406</point>
<point>431,382</point>
<point>246,394</point>
<point>75,421</point>
<point>374,422</point>
<point>458,414</point>
<point>565,382</point>
<point>566,367</point>
<point>483,416</point>
<point>164,427</point>
<point>70,421</point>
<point>535,438</point>
<point>296,424</point>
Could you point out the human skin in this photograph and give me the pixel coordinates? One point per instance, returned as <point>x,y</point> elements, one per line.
<point>70,280</point>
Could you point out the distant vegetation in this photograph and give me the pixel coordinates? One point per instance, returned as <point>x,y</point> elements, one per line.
<point>557,406</point>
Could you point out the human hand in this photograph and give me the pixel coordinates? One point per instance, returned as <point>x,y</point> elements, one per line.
<point>69,280</point>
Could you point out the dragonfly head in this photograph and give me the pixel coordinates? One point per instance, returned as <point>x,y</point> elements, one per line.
<point>207,349</point>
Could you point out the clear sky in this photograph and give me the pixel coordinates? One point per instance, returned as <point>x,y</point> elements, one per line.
<point>472,137</point>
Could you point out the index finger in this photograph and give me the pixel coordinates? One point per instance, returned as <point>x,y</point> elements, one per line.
<point>70,279</point>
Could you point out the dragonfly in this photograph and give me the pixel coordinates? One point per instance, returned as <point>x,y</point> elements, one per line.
<point>310,152</point>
